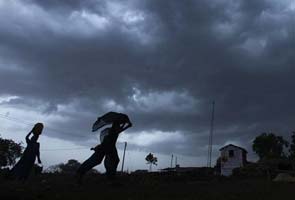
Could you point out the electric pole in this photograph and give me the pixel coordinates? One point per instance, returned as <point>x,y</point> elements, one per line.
<point>211,136</point>
<point>124,157</point>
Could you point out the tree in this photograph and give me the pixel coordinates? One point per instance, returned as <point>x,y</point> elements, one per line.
<point>292,147</point>
<point>9,152</point>
<point>151,160</point>
<point>70,167</point>
<point>269,146</point>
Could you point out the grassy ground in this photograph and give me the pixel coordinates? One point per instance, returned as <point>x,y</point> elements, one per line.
<point>143,187</point>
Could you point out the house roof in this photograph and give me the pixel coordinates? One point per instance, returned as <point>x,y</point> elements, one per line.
<point>233,146</point>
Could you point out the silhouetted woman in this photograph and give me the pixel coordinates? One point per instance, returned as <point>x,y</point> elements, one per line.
<point>24,166</point>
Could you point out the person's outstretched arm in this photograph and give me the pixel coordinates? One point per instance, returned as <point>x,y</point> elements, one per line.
<point>28,137</point>
<point>38,155</point>
<point>125,126</point>
<point>96,148</point>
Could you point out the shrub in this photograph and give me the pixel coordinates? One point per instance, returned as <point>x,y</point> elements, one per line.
<point>252,170</point>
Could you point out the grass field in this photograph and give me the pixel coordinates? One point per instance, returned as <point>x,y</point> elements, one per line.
<point>143,187</point>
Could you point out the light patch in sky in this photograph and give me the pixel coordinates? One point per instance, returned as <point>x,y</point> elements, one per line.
<point>233,10</point>
<point>124,12</point>
<point>289,5</point>
<point>254,46</point>
<point>130,20</point>
<point>70,109</point>
<point>6,99</point>
<point>292,5</point>
<point>34,17</point>
<point>225,29</point>
<point>146,138</point>
<point>132,17</point>
<point>7,65</point>
<point>112,105</point>
<point>87,19</point>
<point>27,17</point>
<point>157,101</point>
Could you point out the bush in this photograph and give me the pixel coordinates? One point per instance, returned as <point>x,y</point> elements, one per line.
<point>277,164</point>
<point>252,170</point>
<point>264,168</point>
<point>4,172</point>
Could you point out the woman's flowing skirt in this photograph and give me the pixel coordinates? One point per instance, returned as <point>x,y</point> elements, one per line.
<point>24,166</point>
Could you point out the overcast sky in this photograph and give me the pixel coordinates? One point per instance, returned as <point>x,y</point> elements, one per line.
<point>65,62</point>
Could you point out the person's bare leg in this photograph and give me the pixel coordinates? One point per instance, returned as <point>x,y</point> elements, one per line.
<point>94,160</point>
<point>111,163</point>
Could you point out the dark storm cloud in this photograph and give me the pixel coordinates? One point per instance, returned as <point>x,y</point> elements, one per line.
<point>162,63</point>
<point>68,6</point>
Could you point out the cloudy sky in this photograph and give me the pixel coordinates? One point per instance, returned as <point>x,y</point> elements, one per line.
<point>65,62</point>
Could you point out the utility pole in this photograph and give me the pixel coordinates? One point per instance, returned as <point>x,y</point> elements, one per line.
<point>211,136</point>
<point>171,161</point>
<point>124,157</point>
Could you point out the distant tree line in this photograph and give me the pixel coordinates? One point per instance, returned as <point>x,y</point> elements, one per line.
<point>70,167</point>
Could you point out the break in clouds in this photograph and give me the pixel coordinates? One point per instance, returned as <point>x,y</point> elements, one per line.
<point>161,62</point>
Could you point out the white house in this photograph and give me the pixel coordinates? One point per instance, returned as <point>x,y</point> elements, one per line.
<point>232,157</point>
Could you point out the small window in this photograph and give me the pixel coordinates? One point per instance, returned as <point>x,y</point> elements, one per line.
<point>231,153</point>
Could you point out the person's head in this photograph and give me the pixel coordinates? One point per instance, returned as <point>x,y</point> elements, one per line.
<point>37,129</point>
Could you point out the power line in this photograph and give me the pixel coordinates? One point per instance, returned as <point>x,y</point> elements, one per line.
<point>16,120</point>
<point>78,148</point>
<point>31,124</point>
<point>64,149</point>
